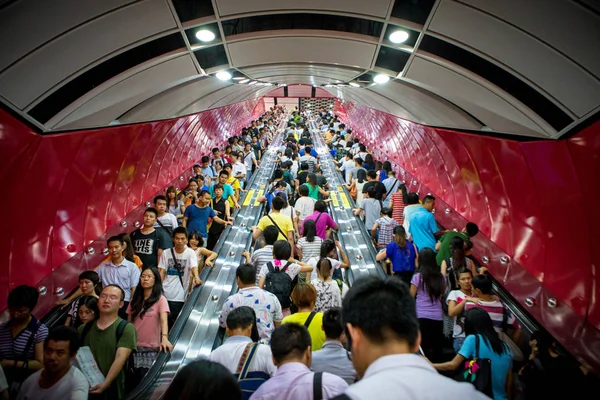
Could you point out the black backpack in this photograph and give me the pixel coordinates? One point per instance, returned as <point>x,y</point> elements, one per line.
<point>280,284</point>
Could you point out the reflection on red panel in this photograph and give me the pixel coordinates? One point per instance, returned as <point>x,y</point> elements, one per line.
<point>66,193</point>
<point>533,201</point>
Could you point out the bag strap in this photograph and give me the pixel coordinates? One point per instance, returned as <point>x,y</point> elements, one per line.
<point>309,319</point>
<point>120,329</point>
<point>318,386</point>
<point>271,267</point>
<point>392,188</point>
<point>275,223</point>
<point>86,329</point>
<point>35,324</point>
<point>476,346</point>
<point>318,218</point>
<point>178,273</point>
<point>245,360</point>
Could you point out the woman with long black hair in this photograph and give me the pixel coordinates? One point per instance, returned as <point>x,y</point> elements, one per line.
<point>148,311</point>
<point>313,187</point>
<point>479,326</point>
<point>429,286</point>
<point>458,261</point>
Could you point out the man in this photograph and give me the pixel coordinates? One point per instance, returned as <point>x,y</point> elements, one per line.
<point>207,170</point>
<point>249,159</point>
<point>291,348</point>
<point>120,271</point>
<point>58,380</point>
<point>265,304</point>
<point>373,182</point>
<point>443,245</point>
<point>423,227</point>
<point>265,254</point>
<point>149,243</point>
<point>228,192</point>
<point>383,345</point>
<point>165,222</point>
<point>234,183</point>
<point>109,350</point>
<point>217,157</point>
<point>195,217</point>
<point>283,223</point>
<point>241,322</point>
<point>178,266</point>
<point>333,357</point>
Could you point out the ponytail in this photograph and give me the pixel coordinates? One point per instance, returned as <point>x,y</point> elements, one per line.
<point>457,246</point>
<point>400,236</point>
<point>324,268</point>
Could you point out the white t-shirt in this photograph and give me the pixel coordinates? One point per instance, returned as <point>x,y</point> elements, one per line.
<point>230,352</point>
<point>168,220</point>
<point>335,264</point>
<point>172,287</point>
<point>72,386</point>
<point>247,159</point>
<point>459,322</point>
<point>305,206</point>
<point>239,168</point>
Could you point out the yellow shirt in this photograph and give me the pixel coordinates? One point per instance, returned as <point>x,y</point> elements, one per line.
<point>317,334</point>
<point>235,185</point>
<point>283,221</point>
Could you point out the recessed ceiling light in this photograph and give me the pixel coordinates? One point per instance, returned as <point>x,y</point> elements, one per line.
<point>204,35</point>
<point>354,84</point>
<point>239,78</point>
<point>399,37</point>
<point>223,75</point>
<point>381,78</point>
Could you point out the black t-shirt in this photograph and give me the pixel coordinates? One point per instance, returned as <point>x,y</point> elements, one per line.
<point>146,246</point>
<point>256,148</point>
<point>379,187</point>
<point>302,177</point>
<point>216,228</point>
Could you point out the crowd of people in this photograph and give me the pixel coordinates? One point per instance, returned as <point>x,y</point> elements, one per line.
<point>294,329</point>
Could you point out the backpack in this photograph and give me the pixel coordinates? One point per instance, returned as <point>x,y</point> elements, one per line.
<point>249,382</point>
<point>280,284</point>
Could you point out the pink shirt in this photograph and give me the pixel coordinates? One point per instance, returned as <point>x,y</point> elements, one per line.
<point>148,327</point>
<point>323,222</point>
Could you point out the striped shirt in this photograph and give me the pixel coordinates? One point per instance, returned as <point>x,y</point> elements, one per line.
<point>13,349</point>
<point>496,311</point>
<point>261,257</point>
<point>397,203</point>
<point>309,249</point>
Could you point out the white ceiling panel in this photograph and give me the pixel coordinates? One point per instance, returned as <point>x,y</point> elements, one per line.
<point>28,24</point>
<point>70,52</point>
<point>568,27</point>
<point>315,50</point>
<point>265,71</point>
<point>228,95</point>
<point>523,53</point>
<point>465,92</point>
<point>377,8</point>
<point>148,83</point>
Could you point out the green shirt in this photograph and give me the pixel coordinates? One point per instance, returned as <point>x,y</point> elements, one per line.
<point>444,251</point>
<point>103,344</point>
<point>313,192</point>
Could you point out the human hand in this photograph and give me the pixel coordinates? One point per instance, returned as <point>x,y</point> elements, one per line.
<point>245,253</point>
<point>197,282</point>
<point>166,346</point>
<point>100,388</point>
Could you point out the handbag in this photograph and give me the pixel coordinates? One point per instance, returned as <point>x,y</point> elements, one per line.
<point>478,372</point>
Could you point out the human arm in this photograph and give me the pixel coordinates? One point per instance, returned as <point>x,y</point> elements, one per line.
<point>246,255</point>
<point>382,255</point>
<point>374,232</point>
<point>209,256</point>
<point>413,290</point>
<point>256,232</point>
<point>114,371</point>
<point>184,222</point>
<point>290,237</point>
<point>299,250</point>
<point>438,246</point>
<point>222,221</point>
<point>345,261</point>
<point>323,192</point>
<point>450,365</point>
<point>455,308</point>
<point>165,345</point>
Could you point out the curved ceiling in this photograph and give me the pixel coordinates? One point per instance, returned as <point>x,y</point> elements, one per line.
<point>506,66</point>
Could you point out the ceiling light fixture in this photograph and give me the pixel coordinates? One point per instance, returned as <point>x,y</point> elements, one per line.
<point>205,35</point>
<point>252,83</point>
<point>354,84</point>
<point>381,78</point>
<point>245,80</point>
<point>223,75</point>
<point>238,78</point>
<point>399,37</point>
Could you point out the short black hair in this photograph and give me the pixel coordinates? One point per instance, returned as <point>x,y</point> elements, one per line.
<point>246,273</point>
<point>303,190</point>
<point>278,174</point>
<point>429,198</point>
<point>472,229</point>
<point>277,203</point>
<point>482,282</point>
<point>332,323</point>
<point>151,210</point>
<point>241,317</point>
<point>320,206</point>
<point>282,250</point>
<point>289,340</point>
<point>63,333</point>
<point>91,276</point>
<point>118,287</point>
<point>379,324</point>
<point>23,296</point>
<point>115,239</point>
<point>180,230</point>
<point>271,233</point>
<point>204,380</point>
<point>160,197</point>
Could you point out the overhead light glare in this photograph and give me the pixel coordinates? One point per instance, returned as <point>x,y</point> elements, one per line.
<point>381,78</point>
<point>245,80</point>
<point>223,75</point>
<point>252,83</point>
<point>399,37</point>
<point>204,35</point>
<point>354,84</point>
<point>238,78</point>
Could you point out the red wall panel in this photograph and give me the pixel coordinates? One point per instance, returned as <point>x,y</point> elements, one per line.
<point>530,200</point>
<point>66,193</point>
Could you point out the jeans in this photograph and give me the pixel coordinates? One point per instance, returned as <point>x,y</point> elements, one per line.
<point>457,343</point>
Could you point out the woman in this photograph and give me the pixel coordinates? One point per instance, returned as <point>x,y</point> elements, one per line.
<point>174,206</point>
<point>222,208</point>
<point>304,296</point>
<point>191,194</point>
<point>328,250</point>
<point>204,380</point>
<point>478,323</point>
<point>357,185</point>
<point>402,254</point>
<point>149,312</point>
<point>313,188</point>
<point>195,242</point>
<point>89,283</point>
<point>309,245</point>
<point>456,301</point>
<point>385,168</point>
<point>457,262</point>
<point>87,310</point>
<point>329,293</point>
<point>368,162</point>
<point>287,210</point>
<point>428,286</point>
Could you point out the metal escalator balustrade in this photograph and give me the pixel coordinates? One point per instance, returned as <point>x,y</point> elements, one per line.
<point>195,332</point>
<point>353,235</point>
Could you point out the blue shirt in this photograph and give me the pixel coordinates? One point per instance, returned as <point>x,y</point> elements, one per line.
<point>313,152</point>
<point>333,358</point>
<point>422,228</point>
<point>198,219</point>
<point>402,260</point>
<point>227,191</point>
<point>501,363</point>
